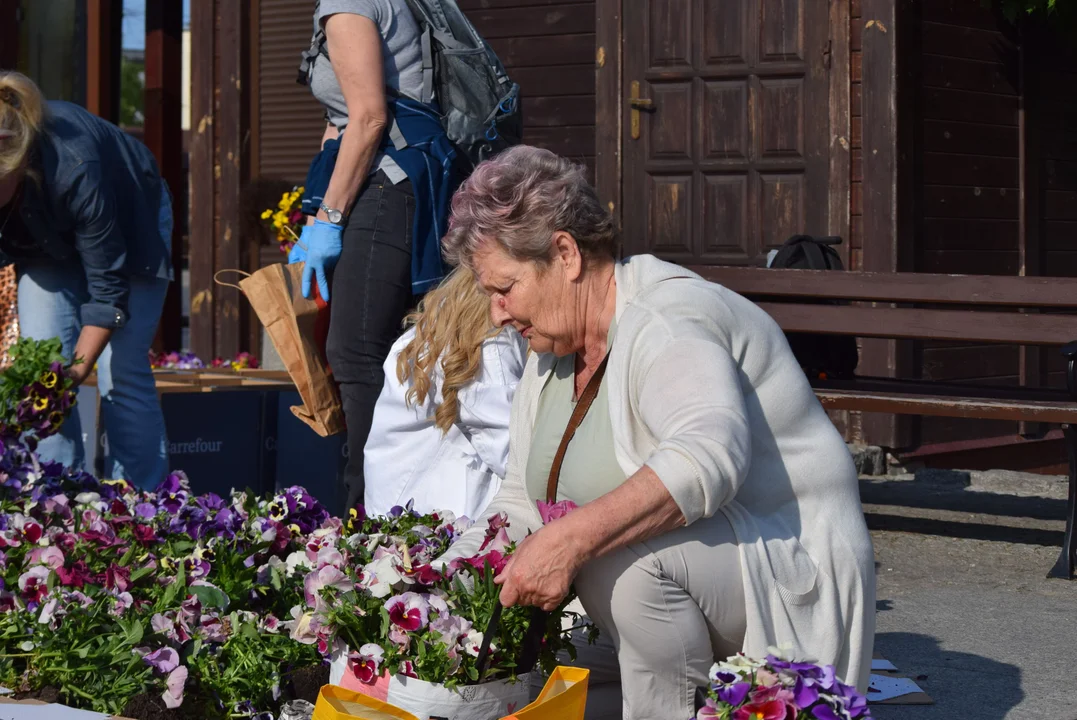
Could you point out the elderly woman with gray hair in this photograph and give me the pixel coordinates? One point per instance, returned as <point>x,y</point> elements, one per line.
<point>718,508</point>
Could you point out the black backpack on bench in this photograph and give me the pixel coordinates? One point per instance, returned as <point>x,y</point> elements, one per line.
<point>819,355</point>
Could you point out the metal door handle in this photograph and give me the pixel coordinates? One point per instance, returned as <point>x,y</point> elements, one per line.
<point>636,103</point>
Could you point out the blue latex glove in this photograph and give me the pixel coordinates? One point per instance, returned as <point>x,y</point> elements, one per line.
<point>298,253</point>
<point>324,246</point>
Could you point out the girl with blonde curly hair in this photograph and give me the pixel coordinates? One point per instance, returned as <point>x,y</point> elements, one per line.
<point>440,434</point>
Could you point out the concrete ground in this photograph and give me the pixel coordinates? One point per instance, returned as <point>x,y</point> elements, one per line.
<point>963,604</point>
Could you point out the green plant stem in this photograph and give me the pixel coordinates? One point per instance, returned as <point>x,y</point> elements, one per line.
<point>80,692</point>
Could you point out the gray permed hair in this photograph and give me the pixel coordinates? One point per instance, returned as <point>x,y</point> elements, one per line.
<point>519,199</point>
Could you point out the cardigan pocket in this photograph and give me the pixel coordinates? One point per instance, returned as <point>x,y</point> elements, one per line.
<point>794,571</point>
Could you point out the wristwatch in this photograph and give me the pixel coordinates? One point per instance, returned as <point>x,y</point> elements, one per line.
<point>335,216</point>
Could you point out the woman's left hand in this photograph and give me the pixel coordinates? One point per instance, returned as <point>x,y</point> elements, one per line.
<point>541,570</point>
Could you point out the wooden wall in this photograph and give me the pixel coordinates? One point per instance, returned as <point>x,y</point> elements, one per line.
<point>970,158</point>
<point>548,47</point>
<point>996,188</point>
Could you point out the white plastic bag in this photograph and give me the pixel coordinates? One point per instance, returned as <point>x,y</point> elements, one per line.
<point>430,701</point>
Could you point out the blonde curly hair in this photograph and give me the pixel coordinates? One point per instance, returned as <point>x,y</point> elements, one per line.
<point>451,324</point>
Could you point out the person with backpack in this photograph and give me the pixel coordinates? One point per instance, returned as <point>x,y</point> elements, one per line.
<point>414,99</point>
<point>363,202</point>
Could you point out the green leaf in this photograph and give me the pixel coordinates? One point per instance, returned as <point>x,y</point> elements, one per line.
<point>128,556</point>
<point>132,631</point>
<point>210,596</point>
<point>182,547</point>
<point>140,573</point>
<point>275,579</point>
<point>384,622</point>
<point>472,672</point>
<point>249,631</point>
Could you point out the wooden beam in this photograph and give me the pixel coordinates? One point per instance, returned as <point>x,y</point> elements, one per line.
<point>886,242</point>
<point>908,323</point>
<point>10,17</point>
<point>104,31</point>
<point>929,288</point>
<point>608,45</point>
<point>1044,412</point>
<point>840,127</point>
<point>202,179</point>
<point>162,133</point>
<point>1033,362</point>
<point>231,125</point>
<point>252,86</point>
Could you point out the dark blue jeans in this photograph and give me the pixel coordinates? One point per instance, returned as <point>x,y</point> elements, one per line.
<point>371,295</point>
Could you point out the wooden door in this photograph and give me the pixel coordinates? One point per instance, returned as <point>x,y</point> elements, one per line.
<point>731,157</point>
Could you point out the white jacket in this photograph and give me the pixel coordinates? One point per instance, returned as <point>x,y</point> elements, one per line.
<point>408,458</point>
<point>705,391</point>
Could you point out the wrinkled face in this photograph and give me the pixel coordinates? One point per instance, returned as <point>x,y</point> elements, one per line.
<point>539,301</point>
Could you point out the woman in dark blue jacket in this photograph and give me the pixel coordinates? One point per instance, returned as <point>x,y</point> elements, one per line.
<point>87,221</point>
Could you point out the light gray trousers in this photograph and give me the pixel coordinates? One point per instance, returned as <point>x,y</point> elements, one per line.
<point>666,608</point>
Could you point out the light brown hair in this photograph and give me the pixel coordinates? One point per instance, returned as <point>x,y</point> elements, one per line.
<point>451,324</point>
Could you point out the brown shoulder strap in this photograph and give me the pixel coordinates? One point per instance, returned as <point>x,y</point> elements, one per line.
<point>582,406</point>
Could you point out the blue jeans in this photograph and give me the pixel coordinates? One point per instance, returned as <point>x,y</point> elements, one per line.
<point>50,295</point>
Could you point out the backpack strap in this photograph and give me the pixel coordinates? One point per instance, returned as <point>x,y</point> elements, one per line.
<point>426,42</point>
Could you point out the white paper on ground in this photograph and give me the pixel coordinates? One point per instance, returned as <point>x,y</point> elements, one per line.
<point>47,712</point>
<point>885,687</point>
<point>5,691</point>
<point>882,664</point>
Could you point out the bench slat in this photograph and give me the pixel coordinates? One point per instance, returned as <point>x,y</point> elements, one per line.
<point>901,323</point>
<point>1029,292</point>
<point>982,409</point>
<point>1013,394</point>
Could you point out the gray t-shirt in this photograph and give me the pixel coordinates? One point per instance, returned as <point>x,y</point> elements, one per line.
<point>402,59</point>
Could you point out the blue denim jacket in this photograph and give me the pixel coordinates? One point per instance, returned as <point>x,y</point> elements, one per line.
<point>96,203</point>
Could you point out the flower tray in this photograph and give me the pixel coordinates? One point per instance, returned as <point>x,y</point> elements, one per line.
<point>195,381</point>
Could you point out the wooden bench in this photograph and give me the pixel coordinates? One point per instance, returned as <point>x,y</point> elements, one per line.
<point>1028,311</point>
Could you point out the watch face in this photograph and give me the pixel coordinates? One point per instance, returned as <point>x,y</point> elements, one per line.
<point>335,216</point>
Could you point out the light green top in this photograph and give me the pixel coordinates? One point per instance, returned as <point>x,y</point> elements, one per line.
<point>590,468</point>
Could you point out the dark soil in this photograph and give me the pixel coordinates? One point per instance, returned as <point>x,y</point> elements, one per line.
<point>303,684</point>
<point>46,694</point>
<point>306,682</point>
<point>149,706</point>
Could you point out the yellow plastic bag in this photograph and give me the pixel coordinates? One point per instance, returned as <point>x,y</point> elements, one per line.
<point>564,697</point>
<point>336,703</point>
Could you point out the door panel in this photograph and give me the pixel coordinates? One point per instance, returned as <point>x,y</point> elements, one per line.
<point>731,156</point>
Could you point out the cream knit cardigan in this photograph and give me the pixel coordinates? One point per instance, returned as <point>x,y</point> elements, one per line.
<point>704,390</point>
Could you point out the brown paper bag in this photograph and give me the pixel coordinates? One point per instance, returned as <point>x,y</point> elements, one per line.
<point>298,327</point>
